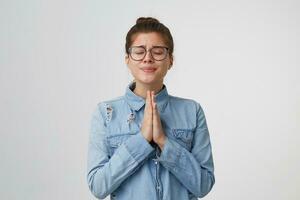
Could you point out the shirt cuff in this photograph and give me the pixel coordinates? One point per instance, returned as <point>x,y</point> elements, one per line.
<point>170,153</point>
<point>138,147</point>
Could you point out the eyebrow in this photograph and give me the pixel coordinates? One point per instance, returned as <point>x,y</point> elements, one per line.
<point>151,47</point>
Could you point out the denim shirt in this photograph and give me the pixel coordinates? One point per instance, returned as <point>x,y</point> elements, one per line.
<point>123,164</point>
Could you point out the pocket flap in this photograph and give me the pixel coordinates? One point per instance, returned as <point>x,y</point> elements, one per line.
<point>186,135</point>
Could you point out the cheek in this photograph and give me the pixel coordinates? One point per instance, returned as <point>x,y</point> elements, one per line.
<point>133,69</point>
<point>164,71</point>
<point>164,68</point>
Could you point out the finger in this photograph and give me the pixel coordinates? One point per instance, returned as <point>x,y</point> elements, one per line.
<point>155,112</point>
<point>147,98</point>
<point>148,103</point>
<point>152,99</point>
<point>154,104</point>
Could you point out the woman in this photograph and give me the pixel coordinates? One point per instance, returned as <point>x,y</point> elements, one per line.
<point>148,144</point>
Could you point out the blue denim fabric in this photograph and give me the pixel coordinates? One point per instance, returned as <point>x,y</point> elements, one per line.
<point>124,165</point>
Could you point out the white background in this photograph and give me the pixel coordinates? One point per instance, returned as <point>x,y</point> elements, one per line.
<point>239,59</point>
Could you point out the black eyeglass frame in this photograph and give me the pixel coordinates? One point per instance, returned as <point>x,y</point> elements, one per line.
<point>146,51</point>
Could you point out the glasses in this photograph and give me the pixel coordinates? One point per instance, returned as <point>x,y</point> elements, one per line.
<point>158,53</point>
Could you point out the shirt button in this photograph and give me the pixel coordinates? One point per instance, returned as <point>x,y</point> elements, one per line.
<point>155,162</point>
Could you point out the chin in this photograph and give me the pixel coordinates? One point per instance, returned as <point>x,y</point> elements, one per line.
<point>146,80</point>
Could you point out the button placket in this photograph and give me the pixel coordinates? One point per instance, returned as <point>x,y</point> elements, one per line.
<point>157,168</point>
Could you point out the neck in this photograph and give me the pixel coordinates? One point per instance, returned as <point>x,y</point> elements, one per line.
<point>141,88</point>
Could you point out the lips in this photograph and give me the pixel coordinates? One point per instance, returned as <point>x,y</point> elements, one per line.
<point>149,69</point>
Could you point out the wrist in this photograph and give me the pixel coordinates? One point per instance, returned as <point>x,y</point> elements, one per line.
<point>161,142</point>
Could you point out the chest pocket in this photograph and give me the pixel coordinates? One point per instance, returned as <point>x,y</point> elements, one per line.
<point>115,141</point>
<point>184,137</point>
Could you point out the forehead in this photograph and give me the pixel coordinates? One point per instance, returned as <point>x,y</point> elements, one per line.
<point>148,39</point>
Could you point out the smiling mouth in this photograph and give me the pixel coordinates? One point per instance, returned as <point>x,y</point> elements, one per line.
<point>149,69</point>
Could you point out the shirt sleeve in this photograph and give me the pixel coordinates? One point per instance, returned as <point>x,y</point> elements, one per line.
<point>195,169</point>
<point>104,173</point>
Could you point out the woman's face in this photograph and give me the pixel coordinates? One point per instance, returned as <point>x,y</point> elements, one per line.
<point>149,70</point>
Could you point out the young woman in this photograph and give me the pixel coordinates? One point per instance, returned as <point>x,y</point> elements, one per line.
<point>148,144</point>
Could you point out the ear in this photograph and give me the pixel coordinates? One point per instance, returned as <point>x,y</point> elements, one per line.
<point>126,59</point>
<point>171,62</point>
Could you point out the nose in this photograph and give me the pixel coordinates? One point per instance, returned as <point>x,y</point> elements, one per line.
<point>148,57</point>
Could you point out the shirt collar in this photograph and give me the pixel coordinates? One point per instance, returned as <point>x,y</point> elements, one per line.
<point>136,102</point>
